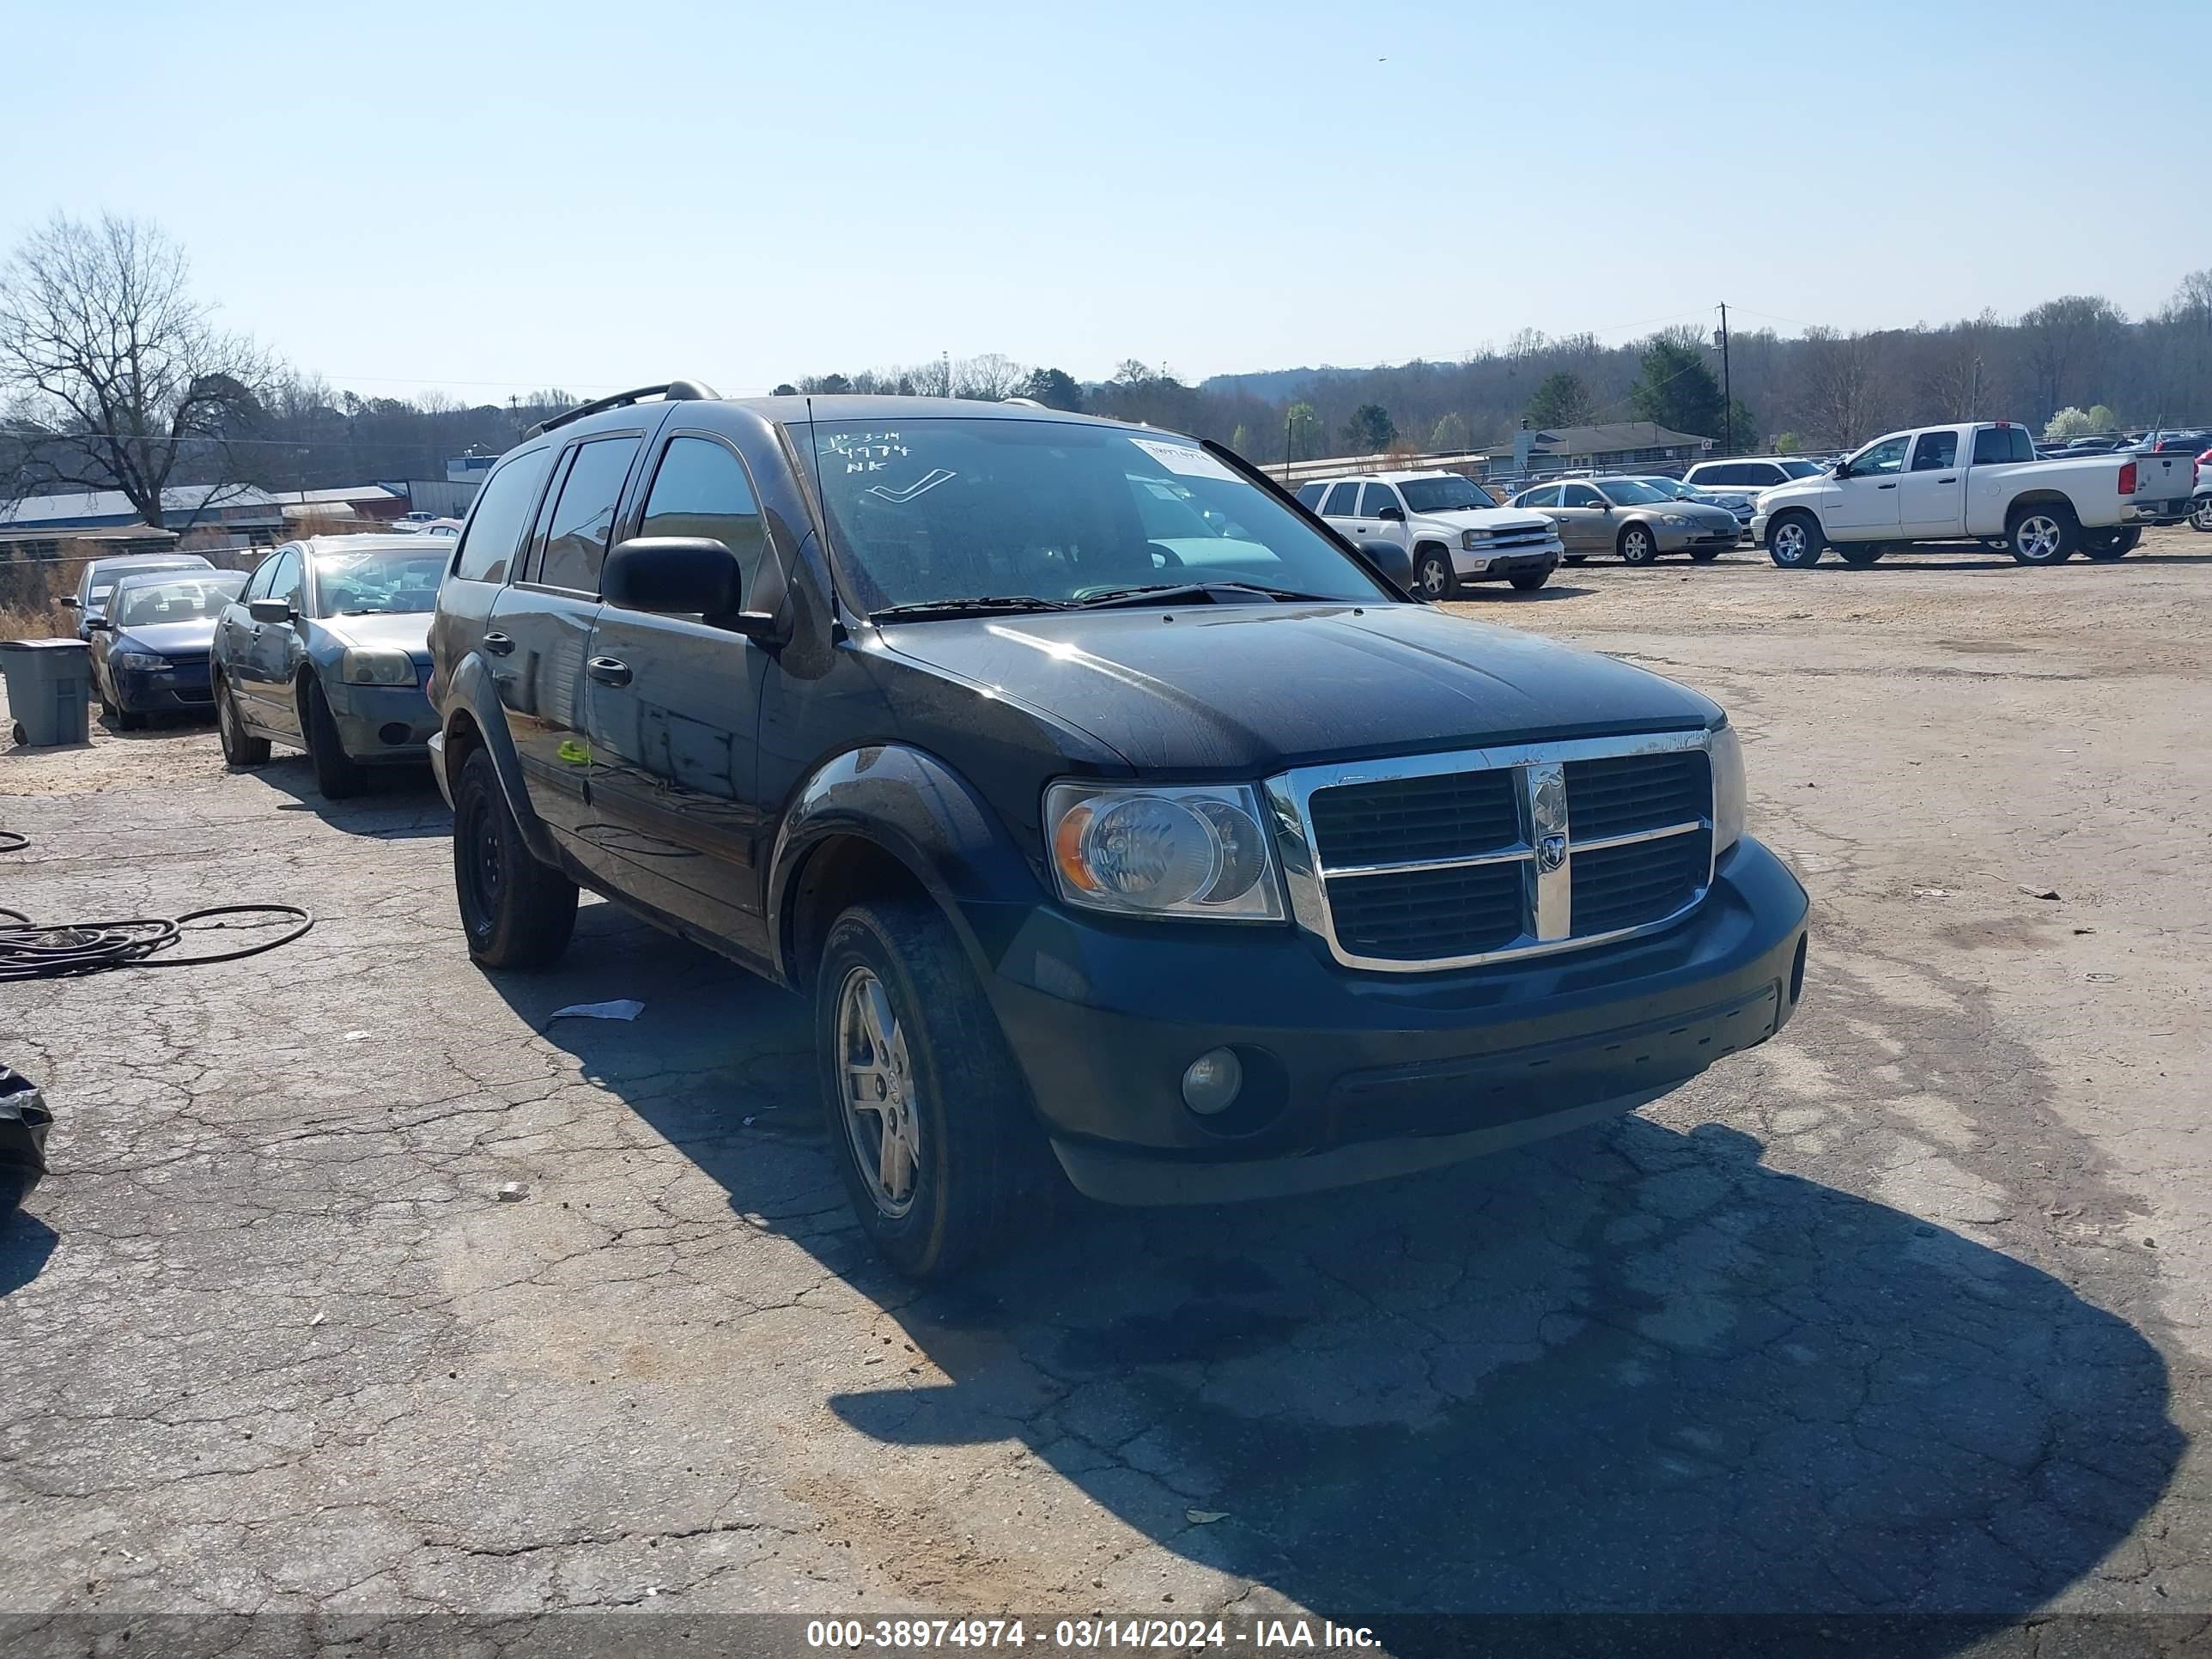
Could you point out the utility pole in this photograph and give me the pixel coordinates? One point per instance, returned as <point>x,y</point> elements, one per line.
<point>1728,388</point>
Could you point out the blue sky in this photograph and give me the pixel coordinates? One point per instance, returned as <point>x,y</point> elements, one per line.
<point>492,197</point>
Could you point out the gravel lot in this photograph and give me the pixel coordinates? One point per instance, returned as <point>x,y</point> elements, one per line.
<point>1906,1311</point>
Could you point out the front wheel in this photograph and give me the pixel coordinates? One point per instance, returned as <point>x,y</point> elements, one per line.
<point>338,774</point>
<point>239,749</point>
<point>515,911</point>
<point>2043,535</point>
<point>1638,545</point>
<point>1433,577</point>
<point>2106,545</point>
<point>1795,543</point>
<point>929,1119</point>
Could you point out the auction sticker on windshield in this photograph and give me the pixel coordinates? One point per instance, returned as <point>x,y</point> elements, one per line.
<point>1181,458</point>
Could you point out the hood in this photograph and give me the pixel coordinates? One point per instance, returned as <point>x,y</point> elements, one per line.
<point>1496,520</point>
<point>409,631</point>
<point>169,639</point>
<point>1245,690</point>
<point>1702,511</point>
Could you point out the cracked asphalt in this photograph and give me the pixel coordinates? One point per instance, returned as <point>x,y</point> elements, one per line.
<point>1905,1312</point>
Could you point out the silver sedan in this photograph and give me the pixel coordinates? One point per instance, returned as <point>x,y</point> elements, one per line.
<point>1628,517</point>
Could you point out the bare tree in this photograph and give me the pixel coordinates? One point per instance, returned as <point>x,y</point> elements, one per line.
<point>118,373</point>
<point>990,377</point>
<point>2070,340</point>
<point>1839,391</point>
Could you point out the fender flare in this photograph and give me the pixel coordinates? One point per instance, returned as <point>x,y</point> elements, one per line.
<point>920,811</point>
<point>471,691</point>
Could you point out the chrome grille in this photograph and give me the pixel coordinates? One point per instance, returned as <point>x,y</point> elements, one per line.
<point>1433,861</point>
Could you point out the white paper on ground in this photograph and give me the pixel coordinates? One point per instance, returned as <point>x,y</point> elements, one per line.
<point>620,1008</point>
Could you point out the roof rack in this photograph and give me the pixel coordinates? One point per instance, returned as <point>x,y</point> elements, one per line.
<point>674,391</point>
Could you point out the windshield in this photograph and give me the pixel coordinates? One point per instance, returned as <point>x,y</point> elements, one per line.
<point>1800,468</point>
<point>1443,495</point>
<point>373,582</point>
<point>191,599</point>
<point>936,511</point>
<point>1674,488</point>
<point>1626,492</point>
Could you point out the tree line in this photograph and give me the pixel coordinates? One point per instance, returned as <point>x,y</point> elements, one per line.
<point>115,375</point>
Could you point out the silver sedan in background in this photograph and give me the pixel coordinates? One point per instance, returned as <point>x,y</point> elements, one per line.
<point>328,650</point>
<point>1627,517</point>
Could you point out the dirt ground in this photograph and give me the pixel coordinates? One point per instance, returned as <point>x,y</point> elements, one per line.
<point>1905,1312</point>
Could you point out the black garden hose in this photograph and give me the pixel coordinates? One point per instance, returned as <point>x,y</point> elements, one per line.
<point>30,950</point>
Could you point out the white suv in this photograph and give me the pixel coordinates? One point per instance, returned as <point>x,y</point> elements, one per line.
<point>1742,477</point>
<point>1452,528</point>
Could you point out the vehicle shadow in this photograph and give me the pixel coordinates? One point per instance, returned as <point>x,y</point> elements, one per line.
<point>166,726</point>
<point>1503,595</point>
<point>396,803</point>
<point>25,1245</point>
<point>1630,1370</point>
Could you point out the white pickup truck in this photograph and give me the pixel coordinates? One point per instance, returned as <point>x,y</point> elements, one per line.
<point>1977,482</point>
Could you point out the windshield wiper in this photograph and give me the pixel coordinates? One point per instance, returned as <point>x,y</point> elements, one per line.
<point>985,604</point>
<point>1166,592</point>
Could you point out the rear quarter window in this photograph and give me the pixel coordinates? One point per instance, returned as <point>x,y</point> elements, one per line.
<point>1310,496</point>
<point>502,507</point>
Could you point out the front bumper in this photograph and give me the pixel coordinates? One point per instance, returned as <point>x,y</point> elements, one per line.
<point>1497,567</point>
<point>1674,539</point>
<point>1351,1076</point>
<point>380,723</point>
<point>156,691</point>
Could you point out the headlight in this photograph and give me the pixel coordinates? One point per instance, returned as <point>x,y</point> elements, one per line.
<point>1680,520</point>
<point>1728,789</point>
<point>371,665</point>
<point>141,660</point>
<point>1165,851</point>
<point>1471,539</point>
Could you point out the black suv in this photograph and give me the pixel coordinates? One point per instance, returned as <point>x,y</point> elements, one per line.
<point>1115,813</point>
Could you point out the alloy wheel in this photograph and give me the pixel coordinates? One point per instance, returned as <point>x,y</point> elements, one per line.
<point>2038,538</point>
<point>878,1085</point>
<point>1789,543</point>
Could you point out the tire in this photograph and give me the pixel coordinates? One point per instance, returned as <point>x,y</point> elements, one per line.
<point>2041,535</point>
<point>1705,555</point>
<point>1637,545</point>
<point>1434,579</point>
<point>1794,541</point>
<point>1529,580</point>
<point>2106,545</point>
<point>515,912</point>
<point>974,1163</point>
<point>239,748</point>
<point>130,719</point>
<point>1861,555</point>
<point>108,711</point>
<point>337,775</point>
<point>2200,518</point>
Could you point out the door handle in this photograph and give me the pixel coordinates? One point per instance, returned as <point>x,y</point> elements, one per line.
<point>608,671</point>
<point>1947,481</point>
<point>498,644</point>
<point>1887,486</point>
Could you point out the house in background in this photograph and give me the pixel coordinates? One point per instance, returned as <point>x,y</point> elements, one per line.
<point>199,516</point>
<point>1624,447</point>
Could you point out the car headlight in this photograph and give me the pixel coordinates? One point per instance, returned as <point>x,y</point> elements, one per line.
<point>1191,851</point>
<point>1471,539</point>
<point>1728,789</point>
<point>374,665</point>
<point>1680,520</point>
<point>141,660</point>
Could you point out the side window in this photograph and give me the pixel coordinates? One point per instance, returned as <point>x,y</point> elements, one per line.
<point>702,489</point>
<point>1543,495</point>
<point>1580,495</point>
<point>1377,496</point>
<point>1934,451</point>
<point>1996,445</point>
<point>1340,497</point>
<point>488,543</point>
<point>1310,496</point>
<point>1884,459</point>
<point>1718,473</point>
<point>285,580</point>
<point>576,535</point>
<point>1764,474</point>
<point>257,587</point>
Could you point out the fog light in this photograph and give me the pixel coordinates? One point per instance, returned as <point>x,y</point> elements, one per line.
<point>1210,1083</point>
<point>395,732</point>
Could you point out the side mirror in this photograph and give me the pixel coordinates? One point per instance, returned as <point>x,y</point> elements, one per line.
<point>72,601</point>
<point>1394,563</point>
<point>685,576</point>
<point>1392,515</point>
<point>1842,469</point>
<point>271,610</point>
<point>98,625</point>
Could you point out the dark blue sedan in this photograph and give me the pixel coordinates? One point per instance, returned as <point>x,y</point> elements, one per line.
<point>149,651</point>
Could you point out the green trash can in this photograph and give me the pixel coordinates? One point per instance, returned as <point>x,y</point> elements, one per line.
<point>49,684</point>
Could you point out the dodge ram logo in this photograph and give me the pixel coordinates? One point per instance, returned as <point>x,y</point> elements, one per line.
<point>1551,851</point>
